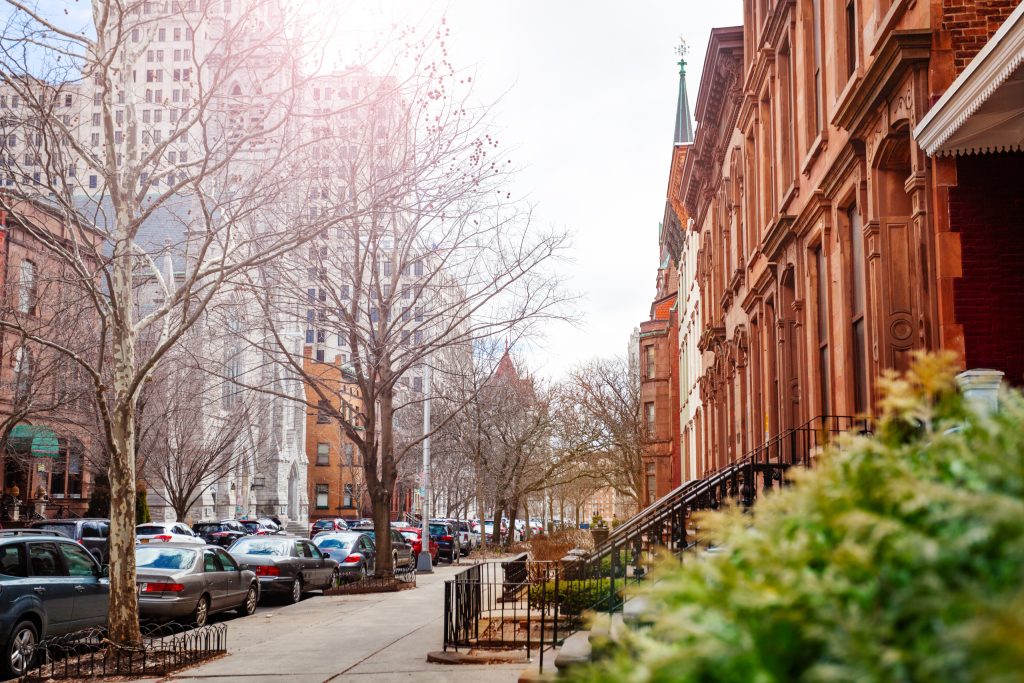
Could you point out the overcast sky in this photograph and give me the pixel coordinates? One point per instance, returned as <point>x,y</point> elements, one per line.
<point>588,102</point>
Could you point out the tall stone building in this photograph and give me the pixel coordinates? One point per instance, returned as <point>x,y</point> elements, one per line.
<point>852,195</point>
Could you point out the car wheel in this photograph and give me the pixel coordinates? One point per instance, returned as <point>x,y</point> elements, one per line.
<point>434,561</point>
<point>20,651</point>
<point>394,561</point>
<point>252,596</point>
<point>362,571</point>
<point>202,612</point>
<point>335,579</point>
<point>296,593</point>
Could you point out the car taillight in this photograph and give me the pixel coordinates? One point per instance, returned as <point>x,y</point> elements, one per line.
<point>161,587</point>
<point>352,559</point>
<point>166,538</point>
<point>446,539</point>
<point>270,570</point>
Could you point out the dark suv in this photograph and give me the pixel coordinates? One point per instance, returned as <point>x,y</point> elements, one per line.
<point>447,539</point>
<point>90,533</point>
<point>222,533</point>
<point>48,586</point>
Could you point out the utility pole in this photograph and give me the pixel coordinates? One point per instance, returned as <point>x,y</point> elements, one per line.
<point>424,565</point>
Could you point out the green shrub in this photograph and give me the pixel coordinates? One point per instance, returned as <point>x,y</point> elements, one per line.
<point>574,596</point>
<point>899,558</point>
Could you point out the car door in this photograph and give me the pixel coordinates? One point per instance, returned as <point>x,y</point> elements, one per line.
<point>53,585</point>
<point>368,551</point>
<point>233,584</point>
<point>306,564</point>
<point>322,572</point>
<point>92,593</point>
<point>402,548</point>
<point>215,580</point>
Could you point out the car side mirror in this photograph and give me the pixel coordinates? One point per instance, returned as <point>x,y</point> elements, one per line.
<point>104,572</point>
<point>327,556</point>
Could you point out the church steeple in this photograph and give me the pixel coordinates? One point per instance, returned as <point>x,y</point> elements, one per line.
<point>684,129</point>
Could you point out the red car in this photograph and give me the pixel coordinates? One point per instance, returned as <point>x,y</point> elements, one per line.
<point>412,534</point>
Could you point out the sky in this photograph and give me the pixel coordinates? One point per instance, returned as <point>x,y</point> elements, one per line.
<point>587,100</point>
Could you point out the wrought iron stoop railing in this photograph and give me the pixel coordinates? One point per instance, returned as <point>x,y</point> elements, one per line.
<point>536,605</point>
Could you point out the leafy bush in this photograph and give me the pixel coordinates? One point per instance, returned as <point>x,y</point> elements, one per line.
<point>899,558</point>
<point>574,597</point>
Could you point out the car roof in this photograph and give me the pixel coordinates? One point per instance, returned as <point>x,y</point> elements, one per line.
<point>185,546</point>
<point>29,534</point>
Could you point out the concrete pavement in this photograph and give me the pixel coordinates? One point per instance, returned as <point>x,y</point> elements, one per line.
<point>382,637</point>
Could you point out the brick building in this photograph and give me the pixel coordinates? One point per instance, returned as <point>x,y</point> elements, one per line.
<point>334,475</point>
<point>46,401</point>
<point>840,224</point>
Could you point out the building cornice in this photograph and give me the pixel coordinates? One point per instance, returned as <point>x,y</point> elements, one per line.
<point>900,50</point>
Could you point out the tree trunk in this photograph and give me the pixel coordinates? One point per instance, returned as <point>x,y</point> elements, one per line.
<point>499,508</point>
<point>123,616</point>
<point>513,510</point>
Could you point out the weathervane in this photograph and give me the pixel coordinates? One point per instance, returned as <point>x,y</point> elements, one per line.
<point>682,50</point>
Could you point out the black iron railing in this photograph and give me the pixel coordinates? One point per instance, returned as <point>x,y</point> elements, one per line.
<point>87,655</point>
<point>523,603</point>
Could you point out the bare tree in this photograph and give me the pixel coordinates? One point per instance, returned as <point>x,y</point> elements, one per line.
<point>112,143</point>
<point>603,423</point>
<point>391,292</point>
<point>188,439</point>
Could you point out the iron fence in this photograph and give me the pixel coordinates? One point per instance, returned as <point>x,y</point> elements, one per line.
<point>88,655</point>
<point>402,578</point>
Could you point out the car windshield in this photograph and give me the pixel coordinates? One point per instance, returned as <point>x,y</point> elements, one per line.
<point>66,529</point>
<point>149,530</point>
<point>259,546</point>
<point>332,542</point>
<point>439,529</point>
<point>150,557</point>
<point>411,535</point>
<point>323,523</point>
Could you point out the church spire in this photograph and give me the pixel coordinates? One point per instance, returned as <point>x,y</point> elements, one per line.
<point>684,129</point>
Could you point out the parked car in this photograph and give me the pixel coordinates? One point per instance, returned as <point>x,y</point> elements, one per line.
<point>447,540</point>
<point>330,524</point>
<point>48,586</point>
<point>90,533</point>
<point>355,552</point>
<point>414,537</point>
<point>223,533</point>
<point>401,549</point>
<point>185,581</point>
<point>286,565</point>
<point>466,540</point>
<point>165,532</point>
<point>259,527</point>
<point>31,532</point>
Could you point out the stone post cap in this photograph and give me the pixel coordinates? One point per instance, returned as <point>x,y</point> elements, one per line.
<point>981,387</point>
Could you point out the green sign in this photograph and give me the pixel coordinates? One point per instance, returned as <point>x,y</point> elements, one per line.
<point>43,442</point>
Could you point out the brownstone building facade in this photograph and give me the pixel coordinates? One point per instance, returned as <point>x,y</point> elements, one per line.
<point>335,477</point>
<point>46,401</point>
<point>832,245</point>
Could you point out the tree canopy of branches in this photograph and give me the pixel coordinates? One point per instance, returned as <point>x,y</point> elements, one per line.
<point>211,152</point>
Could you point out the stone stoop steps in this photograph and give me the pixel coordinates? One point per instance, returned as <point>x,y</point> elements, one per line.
<point>297,528</point>
<point>583,647</point>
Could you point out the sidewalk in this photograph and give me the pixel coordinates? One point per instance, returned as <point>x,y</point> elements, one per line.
<point>382,638</point>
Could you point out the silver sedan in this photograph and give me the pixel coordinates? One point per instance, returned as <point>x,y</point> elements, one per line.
<point>183,581</point>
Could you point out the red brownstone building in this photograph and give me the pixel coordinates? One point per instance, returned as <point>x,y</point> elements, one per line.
<point>854,194</point>
<point>832,243</point>
<point>46,401</point>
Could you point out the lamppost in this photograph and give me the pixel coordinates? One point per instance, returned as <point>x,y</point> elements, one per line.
<point>423,562</point>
